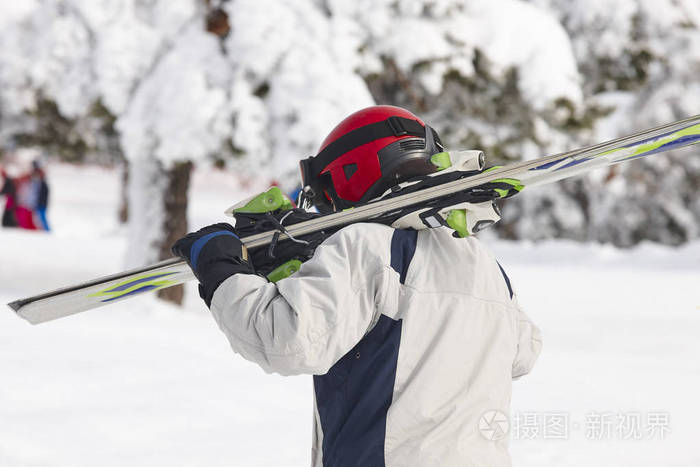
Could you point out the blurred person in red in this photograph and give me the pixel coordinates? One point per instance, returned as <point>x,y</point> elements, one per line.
<point>31,194</point>
<point>25,202</point>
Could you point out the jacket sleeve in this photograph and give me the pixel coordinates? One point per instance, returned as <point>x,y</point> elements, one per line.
<point>529,344</point>
<point>303,324</point>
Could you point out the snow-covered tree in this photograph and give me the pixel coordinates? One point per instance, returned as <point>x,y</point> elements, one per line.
<point>255,85</point>
<point>639,61</point>
<point>499,76</point>
<point>205,97</point>
<point>181,93</point>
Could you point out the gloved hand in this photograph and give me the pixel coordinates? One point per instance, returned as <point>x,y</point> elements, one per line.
<point>214,253</point>
<point>276,254</point>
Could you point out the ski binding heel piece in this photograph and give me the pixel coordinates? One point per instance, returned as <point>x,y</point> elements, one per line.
<point>267,201</point>
<point>465,160</point>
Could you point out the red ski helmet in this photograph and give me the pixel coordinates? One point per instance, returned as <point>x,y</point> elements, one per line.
<point>365,155</point>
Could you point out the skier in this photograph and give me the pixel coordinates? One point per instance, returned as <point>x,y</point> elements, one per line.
<point>10,192</point>
<point>25,202</point>
<point>40,191</point>
<point>413,337</point>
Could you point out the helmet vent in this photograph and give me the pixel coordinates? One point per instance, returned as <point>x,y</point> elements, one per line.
<point>349,170</point>
<point>412,144</point>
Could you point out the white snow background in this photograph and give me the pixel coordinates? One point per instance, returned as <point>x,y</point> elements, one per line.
<point>141,383</point>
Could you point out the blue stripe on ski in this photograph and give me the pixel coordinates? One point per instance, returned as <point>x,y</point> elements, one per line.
<point>682,141</point>
<point>573,163</point>
<point>548,164</point>
<point>559,161</point>
<point>654,138</point>
<point>145,288</point>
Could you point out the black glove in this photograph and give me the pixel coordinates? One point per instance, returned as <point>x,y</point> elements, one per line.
<point>277,253</point>
<point>214,253</point>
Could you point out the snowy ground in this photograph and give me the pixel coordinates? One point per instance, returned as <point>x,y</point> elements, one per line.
<point>140,383</point>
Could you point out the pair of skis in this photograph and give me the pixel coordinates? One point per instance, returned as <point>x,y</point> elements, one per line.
<point>464,185</point>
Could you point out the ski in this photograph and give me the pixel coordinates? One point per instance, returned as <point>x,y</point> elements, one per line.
<point>447,188</point>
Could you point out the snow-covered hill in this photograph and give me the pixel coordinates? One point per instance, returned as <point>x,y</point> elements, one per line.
<point>141,383</point>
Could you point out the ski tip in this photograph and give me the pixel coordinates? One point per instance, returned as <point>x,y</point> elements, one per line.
<point>20,309</point>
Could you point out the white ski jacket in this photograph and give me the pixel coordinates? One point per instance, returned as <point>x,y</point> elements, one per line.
<point>412,336</point>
